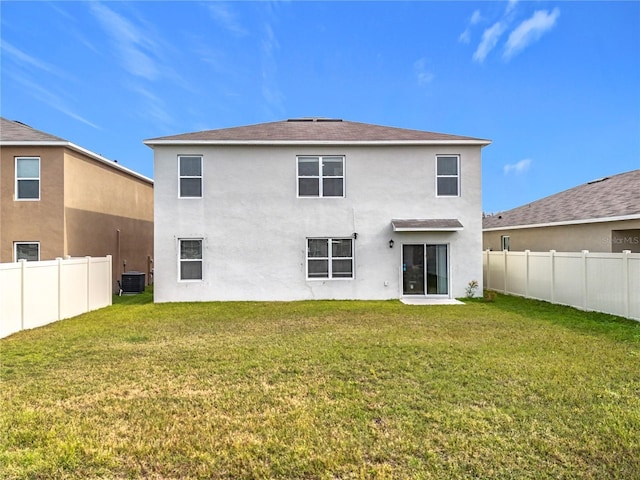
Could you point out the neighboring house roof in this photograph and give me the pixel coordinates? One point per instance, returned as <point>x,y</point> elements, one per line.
<point>605,199</point>
<point>14,133</point>
<point>313,131</point>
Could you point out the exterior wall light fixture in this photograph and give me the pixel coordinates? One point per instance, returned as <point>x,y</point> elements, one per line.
<point>391,243</point>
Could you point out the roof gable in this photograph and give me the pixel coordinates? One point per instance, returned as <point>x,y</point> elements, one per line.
<point>13,131</point>
<point>615,196</point>
<point>322,130</point>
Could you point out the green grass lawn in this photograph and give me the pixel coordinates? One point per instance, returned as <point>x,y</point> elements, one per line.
<point>327,389</point>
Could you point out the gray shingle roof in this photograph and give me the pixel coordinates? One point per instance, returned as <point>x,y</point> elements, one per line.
<point>618,195</point>
<point>312,129</point>
<point>12,131</point>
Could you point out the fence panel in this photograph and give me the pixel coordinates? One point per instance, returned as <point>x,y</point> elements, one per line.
<point>10,298</point>
<point>606,287</point>
<point>73,287</point>
<point>33,294</point>
<point>603,282</point>
<point>539,276</point>
<point>517,273</point>
<point>567,284</point>
<point>634,286</point>
<point>40,295</point>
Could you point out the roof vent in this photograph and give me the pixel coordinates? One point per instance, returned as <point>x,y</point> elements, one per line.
<point>598,180</point>
<point>314,119</point>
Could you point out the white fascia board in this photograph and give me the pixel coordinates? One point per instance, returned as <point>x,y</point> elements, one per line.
<point>635,216</point>
<point>79,149</point>
<point>419,229</point>
<point>152,143</point>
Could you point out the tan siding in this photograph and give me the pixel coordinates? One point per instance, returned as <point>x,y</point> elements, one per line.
<point>595,237</point>
<point>40,220</point>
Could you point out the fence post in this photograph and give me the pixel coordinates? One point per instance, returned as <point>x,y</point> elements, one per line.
<point>552,259</point>
<point>59,262</point>
<point>88,283</point>
<point>488,267</point>
<point>584,279</point>
<point>504,269</point>
<point>526,273</point>
<point>110,287</point>
<point>23,267</point>
<point>626,291</point>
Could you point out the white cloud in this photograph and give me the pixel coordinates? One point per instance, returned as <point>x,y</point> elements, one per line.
<point>511,4</point>
<point>422,74</point>
<point>134,44</point>
<point>465,37</point>
<point>517,168</point>
<point>530,31</point>
<point>53,100</point>
<point>227,19</point>
<point>489,40</point>
<point>24,59</point>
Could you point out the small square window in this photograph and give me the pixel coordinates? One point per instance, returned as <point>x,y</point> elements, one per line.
<point>447,176</point>
<point>321,176</point>
<point>190,174</point>
<point>329,258</point>
<point>27,178</point>
<point>29,251</point>
<point>190,259</point>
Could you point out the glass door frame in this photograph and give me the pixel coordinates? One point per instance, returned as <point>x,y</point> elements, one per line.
<point>425,267</point>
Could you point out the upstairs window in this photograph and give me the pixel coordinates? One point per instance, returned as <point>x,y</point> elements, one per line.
<point>190,259</point>
<point>447,175</point>
<point>190,172</point>
<point>329,258</point>
<point>29,251</point>
<point>321,176</point>
<point>27,178</point>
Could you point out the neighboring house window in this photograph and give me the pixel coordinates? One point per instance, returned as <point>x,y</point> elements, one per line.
<point>29,251</point>
<point>505,240</point>
<point>321,176</point>
<point>190,259</point>
<point>27,178</point>
<point>329,258</point>
<point>190,167</point>
<point>447,175</point>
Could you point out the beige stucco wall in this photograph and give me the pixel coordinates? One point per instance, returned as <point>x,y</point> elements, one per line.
<point>32,221</point>
<point>595,237</point>
<point>107,212</point>
<point>85,208</point>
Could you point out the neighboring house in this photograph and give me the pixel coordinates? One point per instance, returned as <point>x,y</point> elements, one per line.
<point>599,216</point>
<point>58,199</point>
<point>316,209</point>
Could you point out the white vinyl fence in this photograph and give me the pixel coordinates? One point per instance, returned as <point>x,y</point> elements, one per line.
<point>33,294</point>
<point>602,282</point>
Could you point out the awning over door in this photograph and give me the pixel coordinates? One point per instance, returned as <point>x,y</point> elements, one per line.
<point>427,225</point>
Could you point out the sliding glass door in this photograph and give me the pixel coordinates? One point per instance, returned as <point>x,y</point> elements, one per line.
<point>425,270</point>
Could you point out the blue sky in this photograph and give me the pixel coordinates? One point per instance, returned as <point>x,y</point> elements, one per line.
<point>554,85</point>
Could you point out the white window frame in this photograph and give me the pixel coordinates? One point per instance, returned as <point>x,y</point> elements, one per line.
<point>180,260</point>
<point>505,242</point>
<point>329,258</point>
<point>456,176</point>
<point>201,176</point>
<point>17,180</point>
<point>320,175</point>
<point>15,250</point>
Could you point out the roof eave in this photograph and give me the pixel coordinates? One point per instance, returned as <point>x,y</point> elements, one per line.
<point>618,218</point>
<point>77,148</point>
<point>470,142</point>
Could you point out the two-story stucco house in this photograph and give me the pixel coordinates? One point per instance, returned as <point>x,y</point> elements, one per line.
<point>58,199</point>
<point>316,208</point>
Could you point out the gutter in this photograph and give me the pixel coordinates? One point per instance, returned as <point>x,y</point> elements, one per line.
<point>79,149</point>
<point>633,216</point>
